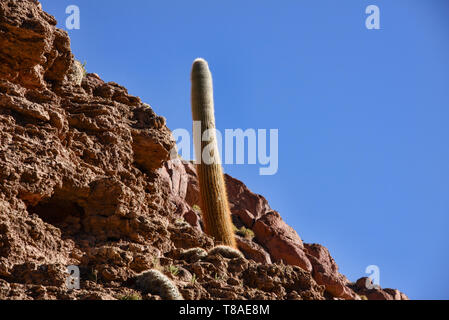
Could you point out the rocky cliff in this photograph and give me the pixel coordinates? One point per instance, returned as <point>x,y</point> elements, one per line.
<point>86,179</point>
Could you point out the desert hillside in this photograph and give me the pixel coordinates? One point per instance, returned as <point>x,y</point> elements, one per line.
<point>86,180</point>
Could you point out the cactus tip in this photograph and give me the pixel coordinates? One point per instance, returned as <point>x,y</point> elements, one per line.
<point>200,66</point>
<point>199,61</point>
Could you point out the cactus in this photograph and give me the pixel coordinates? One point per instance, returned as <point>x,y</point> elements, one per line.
<point>213,197</point>
<point>193,254</point>
<point>226,252</point>
<point>155,282</point>
<point>76,73</point>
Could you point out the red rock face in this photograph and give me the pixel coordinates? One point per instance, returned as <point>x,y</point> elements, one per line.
<point>325,272</point>
<point>85,180</point>
<point>34,63</point>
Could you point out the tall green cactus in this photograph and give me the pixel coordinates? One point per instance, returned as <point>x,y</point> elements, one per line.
<point>213,197</point>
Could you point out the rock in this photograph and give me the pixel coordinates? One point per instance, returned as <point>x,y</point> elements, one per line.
<point>404,296</point>
<point>325,272</point>
<point>363,283</point>
<point>175,181</point>
<point>151,148</point>
<point>244,204</point>
<point>365,287</point>
<point>394,293</point>
<point>281,241</point>
<point>378,294</point>
<point>37,63</point>
<point>193,219</point>
<point>252,250</point>
<point>271,278</point>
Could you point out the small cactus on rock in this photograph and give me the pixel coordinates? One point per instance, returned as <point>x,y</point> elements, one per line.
<point>193,254</point>
<point>226,252</point>
<point>155,282</point>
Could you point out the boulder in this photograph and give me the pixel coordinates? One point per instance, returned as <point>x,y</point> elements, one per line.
<point>325,272</point>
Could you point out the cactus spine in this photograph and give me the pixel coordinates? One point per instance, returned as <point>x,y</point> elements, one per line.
<point>213,196</point>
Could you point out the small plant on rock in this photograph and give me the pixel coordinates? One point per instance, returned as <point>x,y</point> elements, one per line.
<point>157,265</point>
<point>174,270</point>
<point>131,297</point>
<point>217,277</point>
<point>83,65</point>
<point>245,232</point>
<point>193,280</point>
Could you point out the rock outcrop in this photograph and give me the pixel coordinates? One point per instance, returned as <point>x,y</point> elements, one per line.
<point>86,179</point>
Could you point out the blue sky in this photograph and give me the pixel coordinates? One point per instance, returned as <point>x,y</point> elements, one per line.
<point>362,114</point>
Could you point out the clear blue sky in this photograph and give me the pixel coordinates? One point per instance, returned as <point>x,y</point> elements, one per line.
<point>363,115</point>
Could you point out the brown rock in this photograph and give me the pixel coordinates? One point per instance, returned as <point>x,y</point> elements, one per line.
<point>192,218</point>
<point>33,64</point>
<point>394,293</point>
<point>270,278</point>
<point>378,294</point>
<point>175,181</point>
<point>364,286</point>
<point>244,203</point>
<point>361,283</point>
<point>281,241</point>
<point>252,250</point>
<point>325,272</point>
